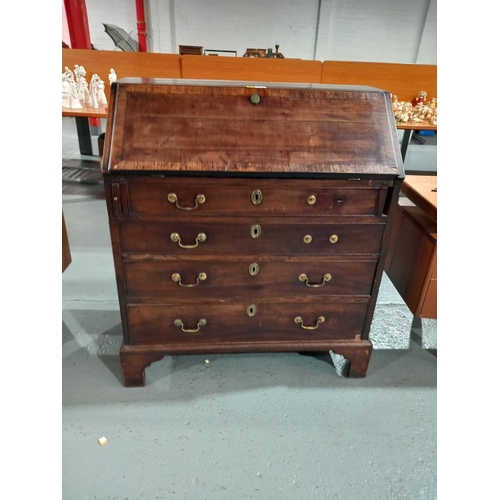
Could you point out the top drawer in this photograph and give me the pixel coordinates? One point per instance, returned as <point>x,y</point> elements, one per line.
<point>183,197</point>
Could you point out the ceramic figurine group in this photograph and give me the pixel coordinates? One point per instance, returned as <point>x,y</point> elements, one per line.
<point>416,111</point>
<point>76,90</point>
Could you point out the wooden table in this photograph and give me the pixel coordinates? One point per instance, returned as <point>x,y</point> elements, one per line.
<point>87,111</point>
<point>82,124</point>
<point>408,128</point>
<point>411,262</point>
<point>422,191</point>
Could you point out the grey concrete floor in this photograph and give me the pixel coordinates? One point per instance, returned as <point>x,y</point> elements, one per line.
<point>257,426</point>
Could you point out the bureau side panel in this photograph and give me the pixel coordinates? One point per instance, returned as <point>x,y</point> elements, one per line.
<point>112,191</point>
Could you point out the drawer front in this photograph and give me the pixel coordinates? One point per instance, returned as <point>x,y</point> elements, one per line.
<point>186,280</point>
<point>254,237</point>
<point>251,197</point>
<point>219,323</point>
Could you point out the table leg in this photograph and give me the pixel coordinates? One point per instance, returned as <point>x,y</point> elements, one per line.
<point>83,131</point>
<point>405,142</point>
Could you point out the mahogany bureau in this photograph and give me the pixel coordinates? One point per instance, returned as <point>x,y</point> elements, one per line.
<point>248,218</point>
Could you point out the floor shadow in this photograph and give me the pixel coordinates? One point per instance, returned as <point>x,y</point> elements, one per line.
<point>416,335</point>
<point>98,337</point>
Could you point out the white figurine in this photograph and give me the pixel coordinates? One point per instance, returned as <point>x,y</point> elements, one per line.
<point>69,93</point>
<point>84,91</point>
<point>112,76</point>
<point>94,91</point>
<point>66,92</point>
<point>82,84</point>
<point>101,96</point>
<point>69,74</point>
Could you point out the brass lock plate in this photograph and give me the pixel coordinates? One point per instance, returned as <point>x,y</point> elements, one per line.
<point>251,310</point>
<point>256,197</point>
<point>255,231</point>
<point>253,269</point>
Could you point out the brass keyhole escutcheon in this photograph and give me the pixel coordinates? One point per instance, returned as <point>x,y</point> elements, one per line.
<point>334,238</point>
<point>253,269</point>
<point>308,238</point>
<point>255,98</point>
<point>255,231</point>
<point>257,197</point>
<point>251,310</point>
<point>311,200</point>
<point>339,200</point>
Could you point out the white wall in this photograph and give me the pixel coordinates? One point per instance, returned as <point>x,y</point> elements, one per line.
<point>401,31</point>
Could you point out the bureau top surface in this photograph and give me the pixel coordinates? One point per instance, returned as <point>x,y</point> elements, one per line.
<point>250,128</point>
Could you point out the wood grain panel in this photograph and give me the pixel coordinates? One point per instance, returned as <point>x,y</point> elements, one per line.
<point>167,127</point>
<point>233,279</point>
<point>275,198</point>
<point>222,237</point>
<point>251,70</point>
<point>154,324</point>
<point>403,80</point>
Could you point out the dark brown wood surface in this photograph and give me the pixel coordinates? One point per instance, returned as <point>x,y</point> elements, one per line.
<point>275,197</point>
<point>322,223</point>
<point>277,278</point>
<point>230,322</point>
<point>135,359</point>
<point>225,237</point>
<point>191,127</point>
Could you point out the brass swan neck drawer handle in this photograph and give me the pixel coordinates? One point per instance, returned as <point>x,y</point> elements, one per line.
<point>177,278</point>
<point>326,277</point>
<point>179,324</point>
<point>298,320</point>
<point>201,198</point>
<point>175,237</point>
